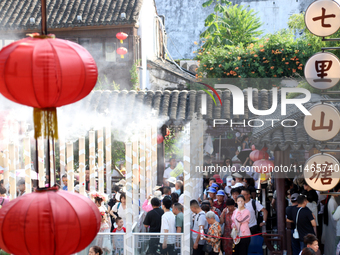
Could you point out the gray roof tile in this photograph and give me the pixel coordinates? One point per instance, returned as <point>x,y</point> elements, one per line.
<point>179,107</point>
<point>16,14</point>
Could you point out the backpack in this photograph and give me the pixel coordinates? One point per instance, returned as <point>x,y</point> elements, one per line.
<point>258,216</point>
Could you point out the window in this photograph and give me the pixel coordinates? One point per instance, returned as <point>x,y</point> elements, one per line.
<point>110,49</point>
<point>104,49</point>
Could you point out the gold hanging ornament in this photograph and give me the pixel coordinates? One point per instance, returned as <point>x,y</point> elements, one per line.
<point>45,122</point>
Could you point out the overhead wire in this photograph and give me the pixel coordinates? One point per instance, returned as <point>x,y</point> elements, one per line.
<point>169,55</point>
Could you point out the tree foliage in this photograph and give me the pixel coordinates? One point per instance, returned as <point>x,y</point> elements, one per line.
<point>297,24</point>
<point>244,25</point>
<point>230,25</point>
<point>217,30</point>
<point>277,56</point>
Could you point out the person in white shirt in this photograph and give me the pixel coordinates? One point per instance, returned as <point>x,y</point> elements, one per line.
<point>254,228</point>
<point>167,171</point>
<point>168,226</point>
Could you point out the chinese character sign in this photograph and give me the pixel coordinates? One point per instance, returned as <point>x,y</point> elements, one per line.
<point>324,122</point>
<point>322,70</point>
<point>322,17</point>
<point>321,172</point>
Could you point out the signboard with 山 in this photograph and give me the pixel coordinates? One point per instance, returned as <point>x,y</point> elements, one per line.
<point>322,17</point>
<point>321,172</point>
<point>324,122</point>
<point>322,71</point>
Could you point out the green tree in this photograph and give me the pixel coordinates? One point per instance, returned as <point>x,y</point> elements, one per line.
<point>243,24</point>
<point>230,25</point>
<point>297,24</point>
<point>217,29</point>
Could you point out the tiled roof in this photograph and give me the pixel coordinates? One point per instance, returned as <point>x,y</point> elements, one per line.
<point>178,106</point>
<point>16,14</point>
<point>172,68</point>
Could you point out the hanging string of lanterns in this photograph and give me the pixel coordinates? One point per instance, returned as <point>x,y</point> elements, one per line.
<point>45,73</point>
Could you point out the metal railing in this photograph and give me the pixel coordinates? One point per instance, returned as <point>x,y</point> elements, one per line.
<point>114,243</point>
<point>109,242</point>
<point>141,241</point>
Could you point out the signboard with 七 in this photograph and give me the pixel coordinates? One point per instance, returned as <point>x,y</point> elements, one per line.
<point>324,122</point>
<point>322,17</point>
<point>321,172</point>
<point>322,70</point>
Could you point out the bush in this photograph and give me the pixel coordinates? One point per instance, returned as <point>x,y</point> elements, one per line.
<point>277,56</point>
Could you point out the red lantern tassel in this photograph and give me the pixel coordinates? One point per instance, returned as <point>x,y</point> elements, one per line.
<point>121,41</point>
<point>45,122</point>
<point>121,56</point>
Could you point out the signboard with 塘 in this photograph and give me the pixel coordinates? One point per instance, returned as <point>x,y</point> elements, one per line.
<point>324,122</point>
<point>322,71</point>
<point>322,17</point>
<point>321,172</point>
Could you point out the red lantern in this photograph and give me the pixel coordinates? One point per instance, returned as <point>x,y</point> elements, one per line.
<point>263,166</point>
<point>160,139</point>
<point>121,36</point>
<point>257,155</point>
<point>48,223</point>
<point>45,73</point>
<point>121,51</point>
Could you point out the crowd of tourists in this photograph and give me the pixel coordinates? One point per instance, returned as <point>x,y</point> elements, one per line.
<point>224,219</point>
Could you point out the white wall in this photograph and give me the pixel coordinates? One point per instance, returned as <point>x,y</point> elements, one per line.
<point>147,32</point>
<point>184,19</point>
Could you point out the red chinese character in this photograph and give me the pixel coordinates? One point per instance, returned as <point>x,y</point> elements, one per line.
<point>323,17</point>
<point>322,126</point>
<point>325,173</point>
<point>321,67</point>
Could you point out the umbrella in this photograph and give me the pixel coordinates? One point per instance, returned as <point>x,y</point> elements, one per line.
<point>244,154</point>
<point>22,174</point>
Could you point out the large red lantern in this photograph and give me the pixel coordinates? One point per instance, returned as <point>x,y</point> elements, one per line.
<point>48,223</point>
<point>45,73</point>
<point>121,51</point>
<point>257,155</point>
<point>121,36</point>
<point>263,166</point>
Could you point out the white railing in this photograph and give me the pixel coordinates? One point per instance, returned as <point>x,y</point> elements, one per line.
<point>94,242</point>
<point>134,235</point>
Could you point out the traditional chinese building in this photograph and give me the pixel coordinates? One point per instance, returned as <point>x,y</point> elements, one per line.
<point>94,25</point>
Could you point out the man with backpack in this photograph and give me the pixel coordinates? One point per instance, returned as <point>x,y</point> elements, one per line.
<point>254,208</point>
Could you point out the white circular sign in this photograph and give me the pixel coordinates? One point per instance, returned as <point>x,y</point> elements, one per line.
<point>324,122</point>
<point>322,17</point>
<point>321,172</point>
<point>322,70</point>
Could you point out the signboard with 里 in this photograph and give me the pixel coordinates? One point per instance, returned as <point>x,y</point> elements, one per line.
<point>324,122</point>
<point>322,17</point>
<point>321,172</point>
<point>322,71</point>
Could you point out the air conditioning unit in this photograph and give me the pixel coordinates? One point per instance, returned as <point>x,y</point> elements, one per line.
<point>190,65</point>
